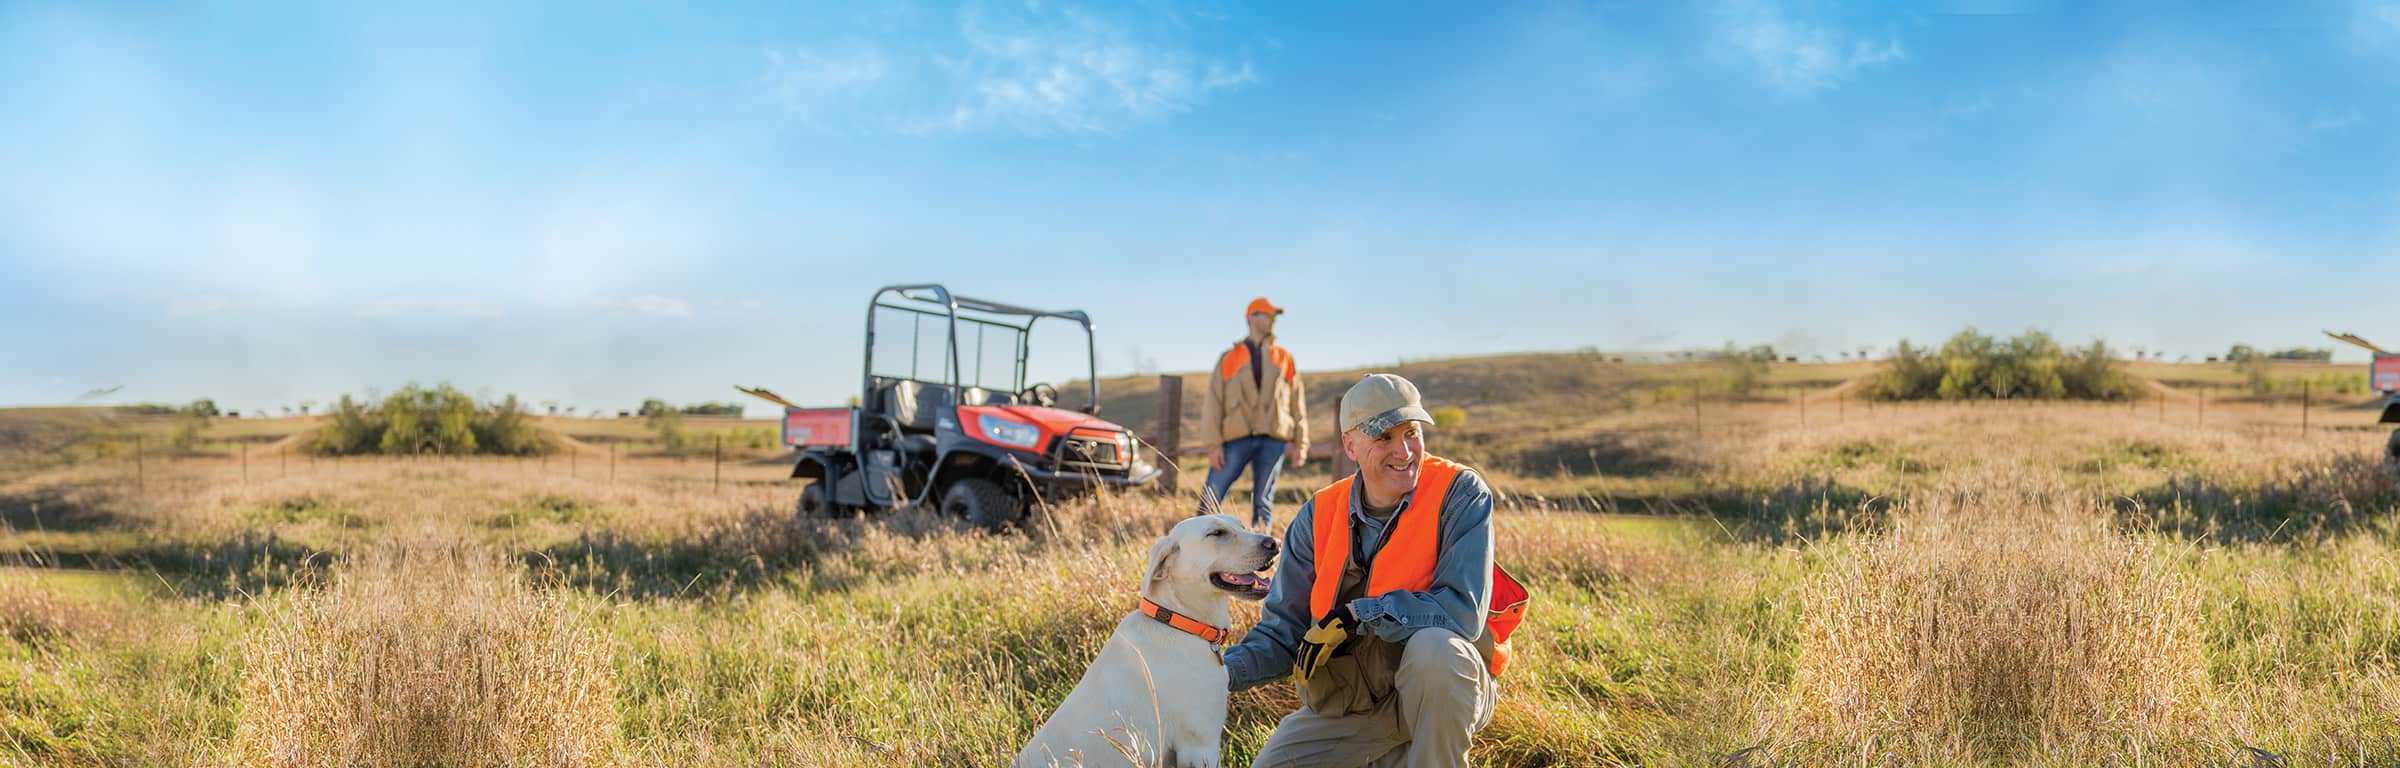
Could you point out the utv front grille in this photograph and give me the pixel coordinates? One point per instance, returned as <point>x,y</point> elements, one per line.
<point>1082,452</point>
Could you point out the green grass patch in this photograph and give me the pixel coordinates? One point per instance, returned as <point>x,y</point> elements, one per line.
<point>545,508</point>
<point>2146,454</point>
<point>314,508</point>
<point>1872,454</point>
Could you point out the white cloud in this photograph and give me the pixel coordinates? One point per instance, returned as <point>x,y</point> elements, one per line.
<point>2374,29</point>
<point>1963,106</point>
<point>440,308</point>
<point>1797,56</point>
<point>1221,77</point>
<point>652,306</point>
<point>1047,70</point>
<point>1074,73</point>
<point>2382,18</point>
<point>806,81</point>
<point>197,306</point>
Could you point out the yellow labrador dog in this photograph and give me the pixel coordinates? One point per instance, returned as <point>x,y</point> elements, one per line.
<point>1158,689</point>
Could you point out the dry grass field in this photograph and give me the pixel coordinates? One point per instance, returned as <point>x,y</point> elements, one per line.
<point>2162,583</point>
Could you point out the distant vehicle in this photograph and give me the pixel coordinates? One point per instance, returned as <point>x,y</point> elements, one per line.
<point>2383,375</point>
<point>942,435</point>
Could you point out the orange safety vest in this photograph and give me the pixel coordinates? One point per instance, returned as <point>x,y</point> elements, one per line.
<point>1233,361</point>
<point>1409,552</point>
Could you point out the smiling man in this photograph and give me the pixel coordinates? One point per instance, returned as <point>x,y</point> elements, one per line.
<point>1378,608</point>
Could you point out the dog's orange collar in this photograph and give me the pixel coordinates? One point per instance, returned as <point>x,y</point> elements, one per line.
<point>1189,625</point>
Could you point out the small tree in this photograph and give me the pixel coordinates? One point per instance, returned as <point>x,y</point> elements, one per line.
<point>439,419</point>
<point>1971,365</point>
<point>669,426</point>
<point>190,421</point>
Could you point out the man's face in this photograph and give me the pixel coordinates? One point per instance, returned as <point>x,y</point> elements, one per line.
<point>1262,324</point>
<point>1388,463</point>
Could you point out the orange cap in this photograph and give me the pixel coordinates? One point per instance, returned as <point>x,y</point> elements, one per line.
<point>1260,304</point>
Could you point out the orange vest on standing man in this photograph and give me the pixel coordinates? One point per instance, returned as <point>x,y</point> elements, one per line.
<point>1410,550</point>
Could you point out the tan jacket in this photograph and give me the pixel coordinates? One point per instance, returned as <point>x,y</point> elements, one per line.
<point>1235,408</point>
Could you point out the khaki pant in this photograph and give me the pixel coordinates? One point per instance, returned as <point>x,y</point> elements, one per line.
<point>1441,697</point>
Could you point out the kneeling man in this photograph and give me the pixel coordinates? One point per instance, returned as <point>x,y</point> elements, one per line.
<point>1379,603</point>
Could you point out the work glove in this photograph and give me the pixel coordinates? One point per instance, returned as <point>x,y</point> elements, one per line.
<point>1318,644</point>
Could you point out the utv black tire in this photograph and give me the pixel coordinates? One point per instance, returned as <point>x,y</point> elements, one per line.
<point>814,504</point>
<point>2391,450</point>
<point>983,503</point>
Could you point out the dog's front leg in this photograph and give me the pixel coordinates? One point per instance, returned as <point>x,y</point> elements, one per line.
<point>1194,758</point>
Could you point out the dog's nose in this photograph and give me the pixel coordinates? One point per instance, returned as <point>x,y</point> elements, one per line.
<point>1273,547</point>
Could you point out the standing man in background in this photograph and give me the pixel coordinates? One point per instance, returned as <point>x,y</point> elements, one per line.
<point>1254,411</point>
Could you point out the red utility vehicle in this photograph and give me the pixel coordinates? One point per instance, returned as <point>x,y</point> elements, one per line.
<point>2383,375</point>
<point>968,434</point>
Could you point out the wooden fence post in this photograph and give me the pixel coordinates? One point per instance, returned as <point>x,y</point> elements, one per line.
<point>2303,408</point>
<point>1168,434</point>
<point>716,482</point>
<point>1341,458</point>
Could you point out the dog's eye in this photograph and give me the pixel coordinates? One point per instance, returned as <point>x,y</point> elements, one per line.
<point>1217,532</point>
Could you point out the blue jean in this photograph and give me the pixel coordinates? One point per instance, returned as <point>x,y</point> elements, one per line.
<point>1263,454</point>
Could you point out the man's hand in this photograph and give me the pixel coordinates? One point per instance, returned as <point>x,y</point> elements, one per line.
<point>1299,456</point>
<point>1318,645</point>
<point>1216,459</point>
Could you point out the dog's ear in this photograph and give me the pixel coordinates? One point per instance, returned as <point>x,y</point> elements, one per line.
<point>1161,554</point>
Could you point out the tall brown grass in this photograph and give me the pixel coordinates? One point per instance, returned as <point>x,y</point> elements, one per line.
<point>428,655</point>
<point>2003,622</point>
<point>40,617</point>
<point>1981,584</point>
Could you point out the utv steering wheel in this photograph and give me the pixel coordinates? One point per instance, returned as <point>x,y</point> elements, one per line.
<point>1042,394</point>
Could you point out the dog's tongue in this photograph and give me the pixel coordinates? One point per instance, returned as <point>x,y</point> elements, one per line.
<point>1240,579</point>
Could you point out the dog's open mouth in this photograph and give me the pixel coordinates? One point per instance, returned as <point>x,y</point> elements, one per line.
<point>1248,586</point>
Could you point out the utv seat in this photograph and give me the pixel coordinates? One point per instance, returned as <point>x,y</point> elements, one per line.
<point>917,409</point>
<point>981,396</point>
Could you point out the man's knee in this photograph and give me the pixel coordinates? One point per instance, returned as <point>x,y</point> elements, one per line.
<point>1435,655</point>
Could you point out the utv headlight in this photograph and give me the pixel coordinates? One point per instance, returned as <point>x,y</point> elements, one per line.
<point>1009,432</point>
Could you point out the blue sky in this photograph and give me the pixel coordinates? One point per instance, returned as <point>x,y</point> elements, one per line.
<point>597,203</point>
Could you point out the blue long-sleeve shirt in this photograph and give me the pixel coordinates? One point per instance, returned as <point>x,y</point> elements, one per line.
<point>1462,583</point>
